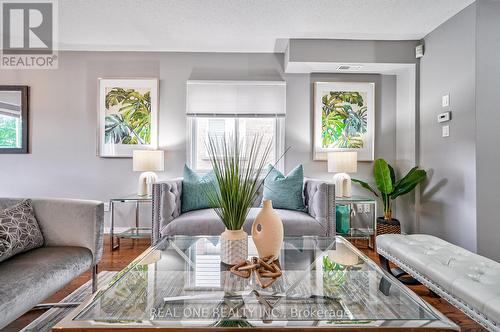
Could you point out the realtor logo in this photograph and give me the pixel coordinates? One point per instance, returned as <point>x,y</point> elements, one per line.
<point>28,34</point>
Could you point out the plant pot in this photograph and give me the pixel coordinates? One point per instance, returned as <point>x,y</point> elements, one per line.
<point>233,246</point>
<point>384,226</point>
<point>267,231</point>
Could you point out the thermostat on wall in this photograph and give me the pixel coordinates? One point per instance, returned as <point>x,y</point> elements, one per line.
<point>443,117</point>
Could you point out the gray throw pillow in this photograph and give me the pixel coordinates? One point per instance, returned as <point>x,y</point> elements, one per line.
<point>19,230</point>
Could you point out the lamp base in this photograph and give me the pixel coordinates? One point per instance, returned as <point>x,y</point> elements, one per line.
<point>342,185</point>
<point>146,180</point>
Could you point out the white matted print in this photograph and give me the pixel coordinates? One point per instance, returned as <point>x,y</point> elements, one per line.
<point>128,116</point>
<point>344,119</point>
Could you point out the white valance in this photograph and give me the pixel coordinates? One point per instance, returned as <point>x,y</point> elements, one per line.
<point>235,98</point>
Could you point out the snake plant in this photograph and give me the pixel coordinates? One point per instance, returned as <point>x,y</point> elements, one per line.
<point>238,168</point>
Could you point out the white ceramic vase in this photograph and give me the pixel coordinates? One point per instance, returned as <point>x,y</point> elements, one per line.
<point>267,231</point>
<point>234,246</point>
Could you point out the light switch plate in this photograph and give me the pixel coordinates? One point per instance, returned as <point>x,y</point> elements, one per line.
<point>445,101</point>
<point>419,51</point>
<point>106,207</point>
<point>443,117</point>
<point>445,131</point>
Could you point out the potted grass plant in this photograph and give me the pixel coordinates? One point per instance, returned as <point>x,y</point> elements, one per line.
<point>238,170</point>
<point>389,189</point>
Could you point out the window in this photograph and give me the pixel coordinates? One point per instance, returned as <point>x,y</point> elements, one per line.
<point>10,120</point>
<point>241,129</point>
<point>222,109</point>
<point>10,131</point>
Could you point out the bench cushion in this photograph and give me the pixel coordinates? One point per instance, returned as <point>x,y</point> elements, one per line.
<point>28,278</point>
<point>470,278</point>
<point>206,222</point>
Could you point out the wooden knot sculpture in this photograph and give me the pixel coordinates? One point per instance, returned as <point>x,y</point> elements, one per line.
<point>264,268</point>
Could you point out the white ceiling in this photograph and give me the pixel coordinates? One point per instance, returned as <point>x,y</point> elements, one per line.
<point>241,25</point>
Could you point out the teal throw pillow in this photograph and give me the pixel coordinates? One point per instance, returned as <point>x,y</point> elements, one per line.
<point>285,192</point>
<point>194,188</point>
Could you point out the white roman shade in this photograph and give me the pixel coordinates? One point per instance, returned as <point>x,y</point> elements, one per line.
<point>236,98</point>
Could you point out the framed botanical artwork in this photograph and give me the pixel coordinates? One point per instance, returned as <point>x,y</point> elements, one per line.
<point>128,116</point>
<point>344,118</point>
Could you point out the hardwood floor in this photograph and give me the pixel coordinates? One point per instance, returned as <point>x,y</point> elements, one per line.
<point>129,249</point>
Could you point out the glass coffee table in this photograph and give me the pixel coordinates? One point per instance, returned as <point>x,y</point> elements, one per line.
<point>326,283</point>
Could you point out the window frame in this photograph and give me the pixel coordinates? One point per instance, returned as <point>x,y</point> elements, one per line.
<point>192,148</point>
<point>24,125</point>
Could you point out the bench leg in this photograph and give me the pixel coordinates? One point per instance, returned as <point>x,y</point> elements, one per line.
<point>47,306</point>
<point>94,279</point>
<point>384,286</point>
<point>399,274</point>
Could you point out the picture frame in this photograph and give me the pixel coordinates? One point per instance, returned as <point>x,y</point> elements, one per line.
<point>127,116</point>
<point>14,119</point>
<point>344,119</point>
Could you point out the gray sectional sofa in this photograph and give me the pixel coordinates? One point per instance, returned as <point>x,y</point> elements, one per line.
<point>319,198</point>
<point>73,238</point>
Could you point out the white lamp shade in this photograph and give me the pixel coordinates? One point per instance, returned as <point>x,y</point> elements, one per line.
<point>343,255</point>
<point>343,162</point>
<point>148,160</point>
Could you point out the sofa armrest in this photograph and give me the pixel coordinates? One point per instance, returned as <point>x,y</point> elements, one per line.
<point>71,222</point>
<point>320,202</point>
<point>166,205</point>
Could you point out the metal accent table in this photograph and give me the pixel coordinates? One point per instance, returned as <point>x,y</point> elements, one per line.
<point>362,217</point>
<point>135,232</point>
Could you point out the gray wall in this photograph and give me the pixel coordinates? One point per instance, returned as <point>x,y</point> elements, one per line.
<point>487,133</point>
<point>63,159</point>
<point>351,51</point>
<point>299,120</point>
<point>406,147</point>
<point>448,202</point>
<point>394,57</point>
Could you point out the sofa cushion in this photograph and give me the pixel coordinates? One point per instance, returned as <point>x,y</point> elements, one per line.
<point>286,192</point>
<point>206,222</point>
<point>19,230</point>
<point>194,188</point>
<point>28,278</point>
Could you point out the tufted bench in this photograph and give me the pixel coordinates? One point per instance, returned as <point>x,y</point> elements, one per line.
<point>468,281</point>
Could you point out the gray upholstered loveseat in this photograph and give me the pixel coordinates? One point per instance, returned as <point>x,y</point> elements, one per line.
<point>319,199</point>
<point>72,231</point>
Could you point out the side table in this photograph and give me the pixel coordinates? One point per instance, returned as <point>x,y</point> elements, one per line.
<point>134,232</point>
<point>362,217</point>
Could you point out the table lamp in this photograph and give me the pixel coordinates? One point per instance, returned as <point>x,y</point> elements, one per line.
<point>342,162</point>
<point>343,255</point>
<point>147,162</point>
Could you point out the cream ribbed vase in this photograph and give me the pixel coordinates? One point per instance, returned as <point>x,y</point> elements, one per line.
<point>233,246</point>
<point>267,231</point>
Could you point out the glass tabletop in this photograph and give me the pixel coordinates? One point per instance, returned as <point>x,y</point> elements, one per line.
<point>135,233</point>
<point>357,233</point>
<point>181,282</point>
<point>354,199</point>
<point>132,197</point>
